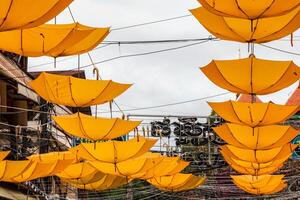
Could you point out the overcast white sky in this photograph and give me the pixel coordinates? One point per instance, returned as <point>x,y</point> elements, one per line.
<point>166,77</point>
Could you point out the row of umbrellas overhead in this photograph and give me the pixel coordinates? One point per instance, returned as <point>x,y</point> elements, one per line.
<point>256,146</point>
<point>106,163</point>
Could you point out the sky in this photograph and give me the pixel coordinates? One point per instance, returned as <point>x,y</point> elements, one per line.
<point>166,77</point>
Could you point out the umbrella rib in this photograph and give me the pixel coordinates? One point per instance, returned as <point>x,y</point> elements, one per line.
<point>292,20</point>
<point>64,39</point>
<point>6,14</point>
<point>109,132</point>
<point>265,114</point>
<point>71,92</point>
<point>239,7</point>
<point>97,96</point>
<point>82,128</point>
<point>236,34</point>
<point>233,109</point>
<point>268,8</point>
<point>238,88</point>
<point>279,79</point>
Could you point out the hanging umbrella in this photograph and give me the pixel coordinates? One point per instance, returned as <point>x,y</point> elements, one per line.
<point>76,92</point>
<point>167,167</point>
<point>258,76</point>
<point>37,12</point>
<point>92,128</point>
<point>263,137</point>
<point>77,171</point>
<point>53,40</point>
<point>244,30</point>
<point>255,172</point>
<point>91,178</point>
<point>258,156</point>
<point>130,168</point>
<point>265,184</point>
<point>249,9</point>
<point>253,114</point>
<point>54,156</point>
<point>41,169</point>
<point>254,168</point>
<point>113,151</point>
<point>177,182</point>
<point>3,155</point>
<point>11,169</point>
<point>107,182</point>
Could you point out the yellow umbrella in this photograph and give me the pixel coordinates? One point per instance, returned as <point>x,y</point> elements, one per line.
<point>130,168</point>
<point>266,190</point>
<point>264,137</point>
<point>253,114</point>
<point>107,182</point>
<point>253,168</point>
<point>249,9</point>
<point>77,171</point>
<point>37,12</point>
<point>92,128</point>
<point>11,169</point>
<point>76,92</point>
<point>54,156</point>
<point>41,169</point>
<point>244,30</point>
<point>258,76</point>
<point>91,178</point>
<point>264,184</point>
<point>258,156</point>
<point>53,40</point>
<point>168,166</point>
<point>3,154</point>
<point>177,182</point>
<point>113,151</point>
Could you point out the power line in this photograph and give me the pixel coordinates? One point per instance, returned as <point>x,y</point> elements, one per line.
<point>152,22</point>
<point>132,43</point>
<point>280,50</point>
<point>173,104</point>
<point>146,53</point>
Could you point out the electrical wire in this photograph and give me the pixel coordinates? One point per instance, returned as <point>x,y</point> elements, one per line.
<point>280,50</point>
<point>152,22</point>
<point>201,40</point>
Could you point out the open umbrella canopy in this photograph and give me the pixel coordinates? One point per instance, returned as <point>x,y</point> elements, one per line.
<point>264,184</point>
<point>11,169</point>
<point>105,183</point>
<point>3,155</point>
<point>53,40</point>
<point>37,12</point>
<point>166,167</point>
<point>77,171</point>
<point>255,165</point>
<point>177,182</point>
<point>92,128</point>
<point>258,156</point>
<point>255,172</point>
<point>244,30</point>
<point>130,168</point>
<point>253,114</point>
<point>258,76</point>
<point>253,168</point>
<point>91,178</point>
<point>54,156</point>
<point>249,9</point>
<point>113,151</point>
<point>41,169</point>
<point>76,92</point>
<point>263,137</point>
<point>26,170</point>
